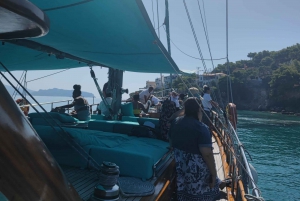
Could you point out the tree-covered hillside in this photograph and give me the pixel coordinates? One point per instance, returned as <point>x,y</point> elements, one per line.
<point>275,72</point>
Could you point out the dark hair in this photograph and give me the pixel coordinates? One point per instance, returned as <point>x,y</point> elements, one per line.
<point>151,88</point>
<point>205,89</point>
<point>77,90</point>
<point>107,94</point>
<point>191,107</point>
<point>136,97</point>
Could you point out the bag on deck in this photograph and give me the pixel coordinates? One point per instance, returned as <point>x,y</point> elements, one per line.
<point>142,131</point>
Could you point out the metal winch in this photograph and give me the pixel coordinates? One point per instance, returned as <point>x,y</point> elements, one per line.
<point>107,188</point>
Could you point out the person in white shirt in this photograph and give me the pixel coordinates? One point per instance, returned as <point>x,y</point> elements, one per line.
<point>175,98</point>
<point>145,95</point>
<point>207,103</point>
<point>155,100</point>
<point>104,110</point>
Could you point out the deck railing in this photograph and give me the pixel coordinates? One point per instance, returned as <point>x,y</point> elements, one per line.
<point>61,101</point>
<point>239,168</point>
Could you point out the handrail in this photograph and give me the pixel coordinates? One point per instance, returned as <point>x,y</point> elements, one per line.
<point>45,103</point>
<point>255,189</point>
<point>241,149</point>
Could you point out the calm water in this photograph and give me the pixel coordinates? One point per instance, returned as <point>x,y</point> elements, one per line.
<point>273,142</point>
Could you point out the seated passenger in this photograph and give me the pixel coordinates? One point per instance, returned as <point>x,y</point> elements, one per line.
<point>138,107</point>
<point>102,108</point>
<point>80,104</point>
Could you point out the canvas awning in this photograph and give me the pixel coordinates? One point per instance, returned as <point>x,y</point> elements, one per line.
<point>110,33</point>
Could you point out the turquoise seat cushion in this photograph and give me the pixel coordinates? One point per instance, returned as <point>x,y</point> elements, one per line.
<point>130,118</point>
<point>112,126</point>
<point>135,156</point>
<point>97,117</point>
<point>62,117</point>
<point>101,125</point>
<point>45,121</point>
<point>127,109</point>
<point>62,152</point>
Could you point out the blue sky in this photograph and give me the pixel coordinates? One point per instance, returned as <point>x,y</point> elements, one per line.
<point>254,26</point>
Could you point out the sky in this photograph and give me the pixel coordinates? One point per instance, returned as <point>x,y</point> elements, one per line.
<point>254,26</point>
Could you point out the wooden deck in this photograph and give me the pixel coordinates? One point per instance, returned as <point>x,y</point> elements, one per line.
<point>219,164</point>
<point>84,181</point>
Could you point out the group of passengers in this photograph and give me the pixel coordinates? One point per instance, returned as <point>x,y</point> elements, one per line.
<point>185,123</point>
<point>186,126</point>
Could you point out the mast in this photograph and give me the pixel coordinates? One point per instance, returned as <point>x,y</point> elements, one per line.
<point>168,33</point>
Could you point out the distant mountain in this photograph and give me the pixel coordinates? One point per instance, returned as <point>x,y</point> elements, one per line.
<point>11,90</point>
<point>59,92</point>
<point>50,92</point>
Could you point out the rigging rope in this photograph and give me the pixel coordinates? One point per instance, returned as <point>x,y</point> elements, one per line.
<point>228,69</point>
<point>48,75</point>
<point>188,54</point>
<point>153,14</point>
<point>18,86</point>
<point>195,36</point>
<point>66,136</point>
<point>204,24</point>
<point>157,18</point>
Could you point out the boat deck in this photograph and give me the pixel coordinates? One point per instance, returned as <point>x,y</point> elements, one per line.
<point>84,181</point>
<point>219,164</point>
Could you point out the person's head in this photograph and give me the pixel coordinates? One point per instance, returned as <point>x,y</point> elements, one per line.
<point>77,90</point>
<point>136,97</point>
<point>105,93</point>
<point>150,89</point>
<point>174,94</point>
<point>206,89</point>
<point>192,108</point>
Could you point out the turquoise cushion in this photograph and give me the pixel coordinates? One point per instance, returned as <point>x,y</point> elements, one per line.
<point>101,125</point>
<point>45,121</point>
<point>130,118</point>
<point>97,117</point>
<point>135,156</point>
<point>127,109</point>
<point>112,126</point>
<point>62,117</point>
<point>62,152</point>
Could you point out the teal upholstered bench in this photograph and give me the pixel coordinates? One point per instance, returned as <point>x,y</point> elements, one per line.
<point>43,118</point>
<point>135,157</point>
<point>123,127</point>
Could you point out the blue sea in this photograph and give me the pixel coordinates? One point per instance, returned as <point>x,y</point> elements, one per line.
<point>273,142</point>
<point>271,139</point>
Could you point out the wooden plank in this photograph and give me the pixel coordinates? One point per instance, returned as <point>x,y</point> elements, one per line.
<point>224,163</point>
